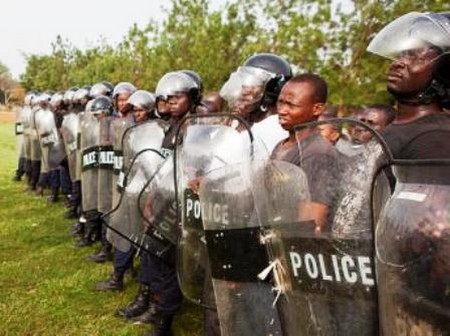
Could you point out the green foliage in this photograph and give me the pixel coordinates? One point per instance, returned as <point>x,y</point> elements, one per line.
<point>323,36</point>
<point>46,284</point>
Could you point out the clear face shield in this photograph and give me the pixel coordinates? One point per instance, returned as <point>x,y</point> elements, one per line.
<point>244,89</point>
<point>415,37</point>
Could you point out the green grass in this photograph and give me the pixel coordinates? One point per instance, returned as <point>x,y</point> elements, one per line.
<point>46,284</point>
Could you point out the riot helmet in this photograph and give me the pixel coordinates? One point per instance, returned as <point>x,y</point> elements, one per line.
<point>102,106</point>
<point>141,104</point>
<point>255,86</point>
<point>29,97</point>
<point>101,89</point>
<point>81,97</point>
<point>44,99</point>
<point>68,96</point>
<point>121,94</point>
<point>172,87</point>
<point>123,87</point>
<point>196,77</point>
<point>419,46</point>
<point>57,101</point>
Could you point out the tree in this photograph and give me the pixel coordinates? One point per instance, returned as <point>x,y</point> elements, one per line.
<point>7,84</point>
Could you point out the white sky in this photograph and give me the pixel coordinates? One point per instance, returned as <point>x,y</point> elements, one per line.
<point>30,26</point>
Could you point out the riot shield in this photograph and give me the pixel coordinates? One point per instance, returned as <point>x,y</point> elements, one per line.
<point>206,143</point>
<point>35,147</point>
<point>89,143</point>
<point>52,147</point>
<point>119,126</point>
<point>320,229</point>
<point>141,160</point>
<point>19,131</point>
<point>26,124</point>
<point>105,165</point>
<point>412,248</point>
<point>69,130</point>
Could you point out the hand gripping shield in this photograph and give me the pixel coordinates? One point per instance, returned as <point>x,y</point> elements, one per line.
<point>89,145</point>
<point>412,247</point>
<point>142,158</point>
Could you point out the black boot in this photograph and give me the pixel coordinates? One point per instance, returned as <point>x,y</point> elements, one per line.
<point>72,213</point>
<point>139,305</point>
<point>150,316</point>
<point>114,283</point>
<point>162,326</point>
<point>89,237</point>
<point>78,228</point>
<point>54,196</point>
<point>103,255</point>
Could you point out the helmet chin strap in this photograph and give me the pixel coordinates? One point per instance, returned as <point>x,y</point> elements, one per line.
<point>428,95</point>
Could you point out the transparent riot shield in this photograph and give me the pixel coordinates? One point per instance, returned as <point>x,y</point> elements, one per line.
<point>119,126</point>
<point>35,146</point>
<point>412,248</point>
<point>158,210</point>
<point>26,124</point>
<point>69,130</point>
<point>236,251</point>
<point>105,165</point>
<point>19,131</point>
<point>52,147</point>
<point>141,160</point>
<point>320,229</point>
<point>89,144</point>
<point>206,143</point>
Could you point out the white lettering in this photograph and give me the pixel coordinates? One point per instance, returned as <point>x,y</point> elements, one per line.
<point>366,271</point>
<point>311,266</point>
<point>197,210</point>
<point>347,261</point>
<point>337,274</point>
<point>118,162</point>
<point>351,269</point>
<point>296,262</point>
<point>323,270</point>
<point>189,206</point>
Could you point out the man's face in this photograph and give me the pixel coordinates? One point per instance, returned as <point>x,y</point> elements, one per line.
<point>248,102</point>
<point>372,117</point>
<point>178,104</point>
<point>329,132</point>
<point>122,101</point>
<point>296,105</point>
<point>411,71</point>
<point>139,114</point>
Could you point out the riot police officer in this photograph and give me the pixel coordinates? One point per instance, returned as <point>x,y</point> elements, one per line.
<point>252,92</point>
<point>112,142</point>
<point>140,105</point>
<point>413,230</point>
<point>182,95</point>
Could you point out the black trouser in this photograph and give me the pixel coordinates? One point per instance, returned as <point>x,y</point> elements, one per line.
<point>163,281</point>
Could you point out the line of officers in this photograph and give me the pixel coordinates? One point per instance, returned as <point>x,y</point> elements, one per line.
<point>277,217</point>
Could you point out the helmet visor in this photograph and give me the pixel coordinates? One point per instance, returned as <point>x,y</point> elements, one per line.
<point>246,84</point>
<point>417,36</point>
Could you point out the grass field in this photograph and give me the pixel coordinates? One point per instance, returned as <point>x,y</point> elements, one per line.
<point>46,284</point>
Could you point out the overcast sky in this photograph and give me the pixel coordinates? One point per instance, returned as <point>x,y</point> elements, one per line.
<point>30,26</point>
